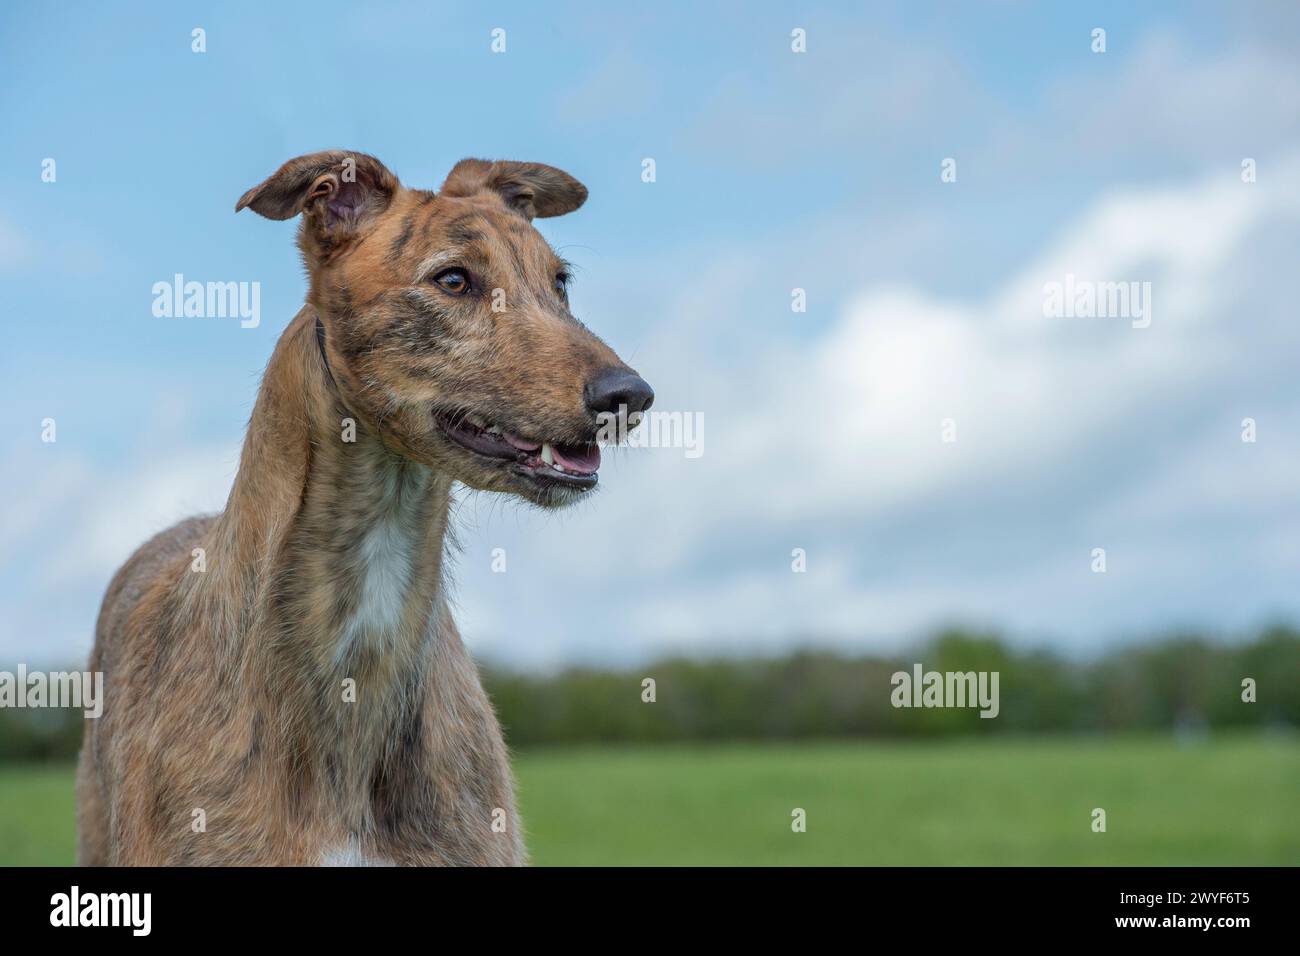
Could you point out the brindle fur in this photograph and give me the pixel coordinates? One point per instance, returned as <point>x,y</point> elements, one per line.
<point>225,687</point>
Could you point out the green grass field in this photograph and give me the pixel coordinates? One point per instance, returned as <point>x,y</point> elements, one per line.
<point>1223,802</point>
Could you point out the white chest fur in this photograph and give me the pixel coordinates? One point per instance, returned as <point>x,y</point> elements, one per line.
<point>351,854</point>
<point>382,563</point>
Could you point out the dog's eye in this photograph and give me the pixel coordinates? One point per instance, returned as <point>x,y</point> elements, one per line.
<point>562,285</point>
<point>455,281</point>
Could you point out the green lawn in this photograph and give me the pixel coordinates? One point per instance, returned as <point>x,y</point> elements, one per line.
<point>1231,801</point>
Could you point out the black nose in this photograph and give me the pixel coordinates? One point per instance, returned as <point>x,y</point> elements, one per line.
<point>616,387</point>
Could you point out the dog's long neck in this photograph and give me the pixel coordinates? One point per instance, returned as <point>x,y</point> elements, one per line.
<point>365,552</point>
<point>355,529</point>
<point>362,579</point>
<point>340,545</point>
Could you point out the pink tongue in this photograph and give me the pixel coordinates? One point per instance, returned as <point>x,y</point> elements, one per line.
<point>584,459</point>
<point>520,443</point>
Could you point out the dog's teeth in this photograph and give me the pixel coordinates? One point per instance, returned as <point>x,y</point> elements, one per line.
<point>493,430</point>
<point>547,455</point>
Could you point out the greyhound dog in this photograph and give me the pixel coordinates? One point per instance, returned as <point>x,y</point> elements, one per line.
<point>284,680</point>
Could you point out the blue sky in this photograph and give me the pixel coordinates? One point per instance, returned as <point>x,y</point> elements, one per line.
<point>775,170</point>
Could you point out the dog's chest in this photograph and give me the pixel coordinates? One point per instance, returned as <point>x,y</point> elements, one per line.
<point>351,854</point>
<point>383,578</point>
<point>378,564</point>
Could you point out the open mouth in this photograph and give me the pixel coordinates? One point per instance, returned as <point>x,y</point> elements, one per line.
<point>574,465</point>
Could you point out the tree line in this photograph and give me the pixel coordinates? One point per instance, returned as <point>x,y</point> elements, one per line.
<point>1186,684</point>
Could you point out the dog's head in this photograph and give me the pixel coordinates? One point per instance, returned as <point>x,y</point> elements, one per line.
<point>446,318</point>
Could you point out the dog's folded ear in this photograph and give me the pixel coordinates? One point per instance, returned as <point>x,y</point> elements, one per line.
<point>334,190</point>
<point>531,189</point>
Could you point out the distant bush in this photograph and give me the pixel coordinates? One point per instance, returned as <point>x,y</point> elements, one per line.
<point>37,735</point>
<point>1177,683</point>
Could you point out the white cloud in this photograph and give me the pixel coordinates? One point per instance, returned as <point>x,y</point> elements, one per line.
<point>123,510</point>
<point>1058,420</point>
<point>78,522</point>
